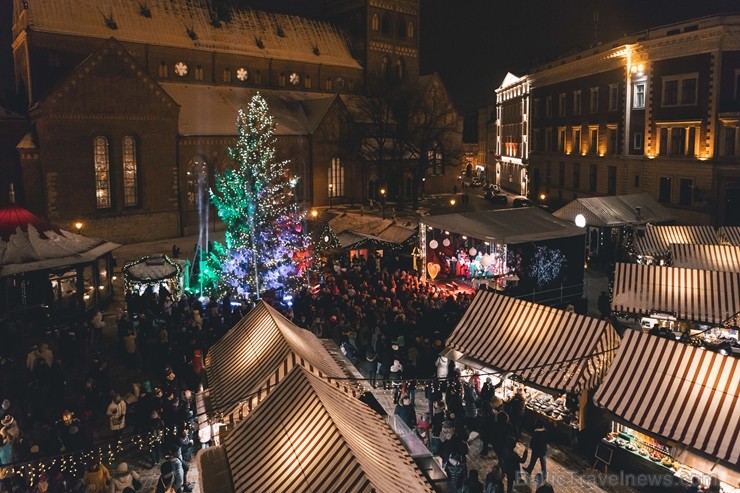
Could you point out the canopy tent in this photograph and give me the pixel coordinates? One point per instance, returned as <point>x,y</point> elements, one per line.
<point>722,258</point>
<point>152,270</point>
<point>551,348</point>
<point>657,240</point>
<point>506,226</point>
<point>677,391</point>
<point>729,235</point>
<point>29,243</point>
<point>697,295</point>
<point>615,211</point>
<point>309,435</point>
<point>256,354</point>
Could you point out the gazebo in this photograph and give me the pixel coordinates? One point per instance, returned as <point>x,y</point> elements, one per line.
<point>42,264</point>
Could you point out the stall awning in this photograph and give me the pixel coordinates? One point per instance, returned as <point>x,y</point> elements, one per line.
<point>658,239</point>
<point>680,392</point>
<point>729,235</point>
<point>256,354</point>
<point>616,210</point>
<point>697,295</point>
<point>722,258</point>
<point>506,226</point>
<point>308,435</point>
<point>551,348</point>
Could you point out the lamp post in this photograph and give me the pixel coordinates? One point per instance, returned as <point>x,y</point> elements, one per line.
<point>331,195</point>
<point>78,225</point>
<point>453,202</point>
<point>314,214</point>
<point>382,201</point>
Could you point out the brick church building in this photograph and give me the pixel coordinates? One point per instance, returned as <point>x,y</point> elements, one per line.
<point>132,104</point>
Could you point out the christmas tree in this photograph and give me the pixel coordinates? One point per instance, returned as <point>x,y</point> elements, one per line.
<point>264,241</point>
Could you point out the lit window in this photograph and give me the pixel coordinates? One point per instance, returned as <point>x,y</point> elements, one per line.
<point>327,84</point>
<point>385,68</point>
<point>197,183</point>
<point>102,173</point>
<point>164,70</point>
<point>130,183</point>
<point>336,178</point>
<point>400,69</point>
<point>375,22</point>
<point>307,82</point>
<point>227,74</point>
<point>638,101</point>
<point>198,73</point>
<point>577,140</point>
<point>410,30</point>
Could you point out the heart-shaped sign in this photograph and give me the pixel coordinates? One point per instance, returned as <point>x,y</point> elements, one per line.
<point>432,269</point>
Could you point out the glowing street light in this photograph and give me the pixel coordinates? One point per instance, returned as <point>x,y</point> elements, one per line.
<point>382,201</point>
<point>453,202</point>
<point>78,225</point>
<point>543,196</point>
<point>331,195</point>
<point>314,213</point>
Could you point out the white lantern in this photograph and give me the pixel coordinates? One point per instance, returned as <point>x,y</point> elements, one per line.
<point>446,242</point>
<point>433,244</point>
<point>472,251</point>
<point>581,221</point>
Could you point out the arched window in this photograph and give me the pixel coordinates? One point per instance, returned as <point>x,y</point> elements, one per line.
<point>410,30</point>
<point>197,174</point>
<point>385,25</point>
<point>400,69</point>
<point>336,178</point>
<point>102,173</point>
<point>164,70</point>
<point>375,22</point>
<point>402,28</point>
<point>385,68</point>
<point>130,182</point>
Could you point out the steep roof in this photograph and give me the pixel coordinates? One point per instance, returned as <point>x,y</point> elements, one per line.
<point>189,24</point>
<point>211,110</point>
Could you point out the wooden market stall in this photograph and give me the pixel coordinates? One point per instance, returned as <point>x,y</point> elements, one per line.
<point>559,356</point>
<point>653,243</point>
<point>675,409</point>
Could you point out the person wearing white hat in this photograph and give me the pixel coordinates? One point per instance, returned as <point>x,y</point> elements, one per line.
<point>123,478</point>
<point>396,373</point>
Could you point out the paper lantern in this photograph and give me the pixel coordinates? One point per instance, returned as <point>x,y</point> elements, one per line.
<point>432,269</point>
<point>472,251</point>
<point>446,242</point>
<point>433,244</point>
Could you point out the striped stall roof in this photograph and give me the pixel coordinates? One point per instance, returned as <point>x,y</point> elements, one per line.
<point>729,235</point>
<point>310,436</point>
<point>552,348</point>
<point>676,391</point>
<point>256,354</point>
<point>692,294</point>
<point>658,239</point>
<point>722,258</point>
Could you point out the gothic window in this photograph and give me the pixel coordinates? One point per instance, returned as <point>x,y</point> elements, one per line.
<point>385,24</point>
<point>336,178</point>
<point>227,74</point>
<point>164,70</point>
<point>400,69</point>
<point>102,173</point>
<point>375,22</point>
<point>197,183</point>
<point>307,82</point>
<point>410,30</point>
<point>130,182</point>
<point>198,73</point>
<point>386,68</point>
<point>402,28</point>
<point>327,84</point>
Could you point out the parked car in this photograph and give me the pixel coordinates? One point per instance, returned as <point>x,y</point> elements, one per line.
<point>495,197</point>
<point>521,202</point>
<point>492,187</point>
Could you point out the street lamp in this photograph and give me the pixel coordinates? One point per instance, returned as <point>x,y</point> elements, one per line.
<point>382,201</point>
<point>331,195</point>
<point>314,213</point>
<point>453,202</point>
<point>78,225</point>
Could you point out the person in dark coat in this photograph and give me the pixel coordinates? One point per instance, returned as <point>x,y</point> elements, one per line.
<point>604,305</point>
<point>472,484</point>
<point>405,411</point>
<point>538,444</point>
<point>503,432</point>
<point>455,469</point>
<point>511,463</point>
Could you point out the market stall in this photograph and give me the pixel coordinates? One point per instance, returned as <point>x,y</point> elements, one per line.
<point>610,220</point>
<point>557,355</point>
<point>721,258</point>
<point>154,271</point>
<point>692,302</point>
<point>653,243</point>
<point>311,435</point>
<point>675,407</point>
<point>729,235</point>
<point>528,247</point>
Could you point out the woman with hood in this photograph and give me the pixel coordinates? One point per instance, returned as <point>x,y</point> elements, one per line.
<point>123,478</point>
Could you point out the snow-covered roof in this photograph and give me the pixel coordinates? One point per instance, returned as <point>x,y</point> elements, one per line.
<point>212,110</point>
<point>189,24</point>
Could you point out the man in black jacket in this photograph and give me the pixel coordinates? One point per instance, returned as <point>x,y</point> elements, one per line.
<point>539,448</point>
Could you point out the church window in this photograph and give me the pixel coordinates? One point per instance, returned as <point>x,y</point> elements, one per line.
<point>164,70</point>
<point>386,68</point>
<point>385,24</point>
<point>400,69</point>
<point>410,30</point>
<point>197,183</point>
<point>327,85</point>
<point>336,178</point>
<point>130,182</point>
<point>227,74</point>
<point>102,172</point>
<point>375,22</point>
<point>198,73</point>
<point>281,80</point>
<point>307,82</point>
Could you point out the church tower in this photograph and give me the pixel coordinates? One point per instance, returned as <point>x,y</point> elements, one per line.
<point>384,35</point>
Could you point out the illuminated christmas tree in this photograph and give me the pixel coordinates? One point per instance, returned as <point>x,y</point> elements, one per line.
<point>265,241</point>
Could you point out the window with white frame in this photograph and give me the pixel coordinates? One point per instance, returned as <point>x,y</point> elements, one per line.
<point>561,104</point>
<point>130,171</point>
<point>637,141</point>
<point>613,140</point>
<point>680,90</point>
<point>102,172</point>
<point>613,97</point>
<point>336,178</point>
<point>638,95</point>
<point>593,140</point>
<point>577,140</point>
<point>576,102</point>
<point>561,139</point>
<point>594,104</point>
<point>677,141</point>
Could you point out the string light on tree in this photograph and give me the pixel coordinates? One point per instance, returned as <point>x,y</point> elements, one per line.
<point>256,201</point>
